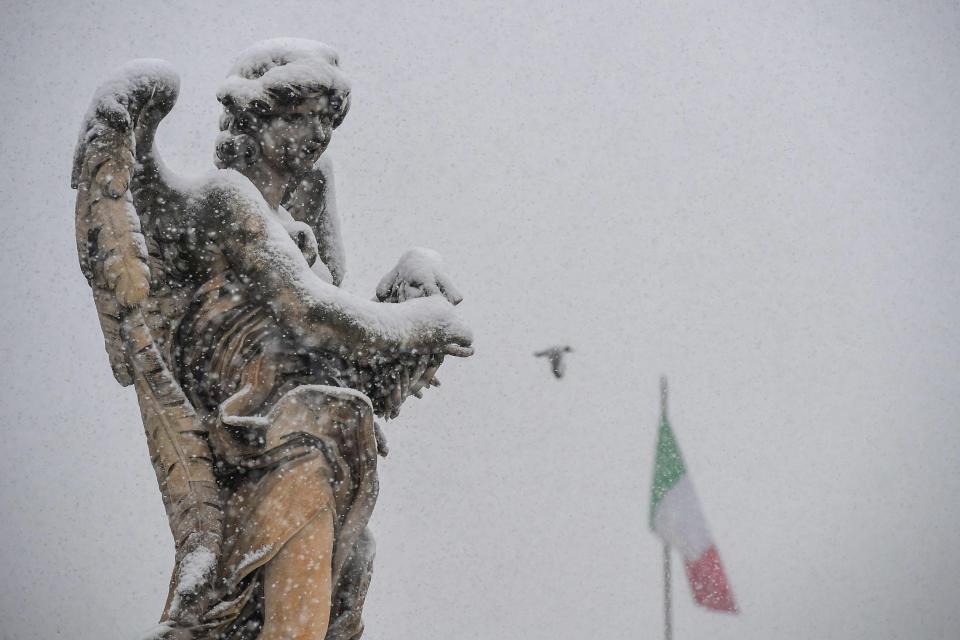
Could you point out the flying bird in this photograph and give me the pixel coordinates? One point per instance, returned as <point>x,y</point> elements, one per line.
<point>555,354</point>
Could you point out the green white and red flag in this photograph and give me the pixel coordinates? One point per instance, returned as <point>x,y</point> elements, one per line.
<point>676,517</point>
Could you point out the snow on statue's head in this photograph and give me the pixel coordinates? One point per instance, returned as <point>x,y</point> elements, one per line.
<point>268,80</point>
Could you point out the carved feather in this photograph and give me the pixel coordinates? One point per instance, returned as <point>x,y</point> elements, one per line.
<point>177,441</point>
<point>108,312</point>
<point>114,235</point>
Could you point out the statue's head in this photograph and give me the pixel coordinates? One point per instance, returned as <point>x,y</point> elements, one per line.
<point>281,101</point>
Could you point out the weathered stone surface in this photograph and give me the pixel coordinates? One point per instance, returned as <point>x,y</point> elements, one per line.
<point>258,379</point>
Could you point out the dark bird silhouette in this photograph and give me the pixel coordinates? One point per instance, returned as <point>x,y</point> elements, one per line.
<point>555,354</point>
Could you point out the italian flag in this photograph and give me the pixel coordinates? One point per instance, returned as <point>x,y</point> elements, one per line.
<point>676,517</point>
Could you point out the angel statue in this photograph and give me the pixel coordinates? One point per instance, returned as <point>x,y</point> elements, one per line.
<point>258,378</point>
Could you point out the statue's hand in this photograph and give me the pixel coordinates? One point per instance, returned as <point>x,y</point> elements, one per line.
<point>435,329</point>
<point>303,236</point>
<point>419,273</point>
<point>422,327</point>
<point>393,370</point>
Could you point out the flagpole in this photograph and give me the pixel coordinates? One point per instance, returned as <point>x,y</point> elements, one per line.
<point>667,591</point>
<point>667,604</point>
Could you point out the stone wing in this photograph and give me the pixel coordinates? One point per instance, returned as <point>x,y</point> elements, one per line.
<point>115,161</point>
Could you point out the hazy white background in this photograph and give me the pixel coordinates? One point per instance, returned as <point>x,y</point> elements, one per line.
<point>760,201</point>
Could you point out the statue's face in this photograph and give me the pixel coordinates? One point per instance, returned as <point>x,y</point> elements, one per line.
<point>293,140</point>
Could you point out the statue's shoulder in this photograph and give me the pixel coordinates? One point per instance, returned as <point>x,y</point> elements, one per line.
<point>227,188</point>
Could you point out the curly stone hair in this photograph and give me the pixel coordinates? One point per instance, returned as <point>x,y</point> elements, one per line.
<point>257,96</point>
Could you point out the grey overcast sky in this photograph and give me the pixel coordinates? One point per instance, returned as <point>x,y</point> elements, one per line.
<point>758,199</point>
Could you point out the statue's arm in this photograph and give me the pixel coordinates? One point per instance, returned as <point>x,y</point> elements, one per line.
<point>260,250</point>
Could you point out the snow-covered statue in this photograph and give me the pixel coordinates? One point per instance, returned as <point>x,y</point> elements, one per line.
<point>258,379</point>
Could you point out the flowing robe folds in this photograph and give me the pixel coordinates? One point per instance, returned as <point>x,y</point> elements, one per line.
<point>290,445</point>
